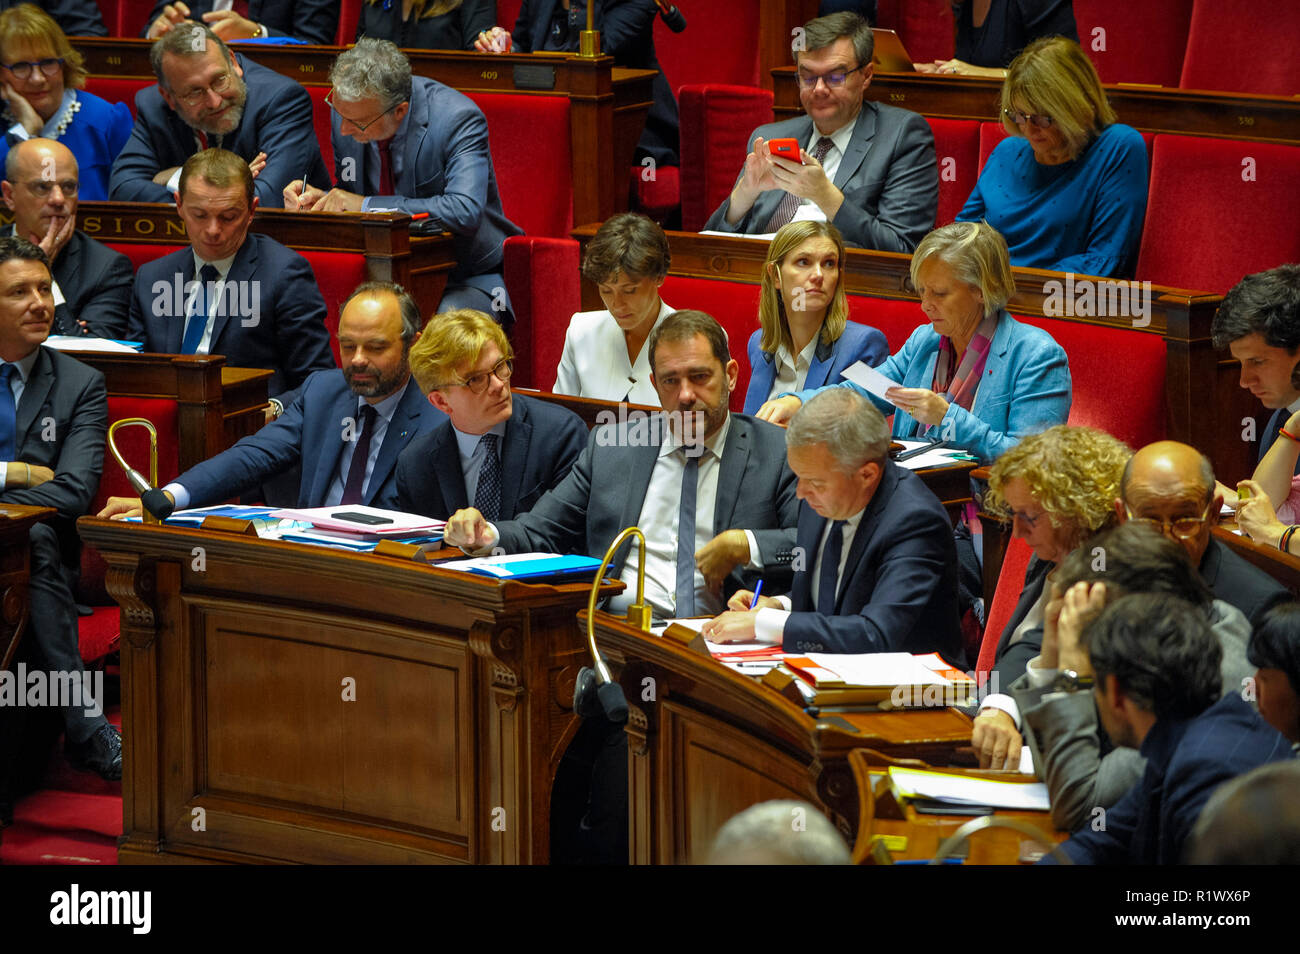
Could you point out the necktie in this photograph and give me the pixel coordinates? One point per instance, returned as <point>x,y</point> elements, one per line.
<point>201,310</point>
<point>360,455</point>
<point>686,538</point>
<point>386,167</point>
<point>784,213</point>
<point>8,414</point>
<point>830,572</point>
<point>487,496</point>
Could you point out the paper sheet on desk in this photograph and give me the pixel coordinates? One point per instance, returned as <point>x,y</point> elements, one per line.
<point>937,458</point>
<point>759,236</point>
<point>963,790</point>
<point>868,377</point>
<point>732,651</point>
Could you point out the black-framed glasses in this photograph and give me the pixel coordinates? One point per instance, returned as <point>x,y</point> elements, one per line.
<point>1184,528</point>
<point>1020,118</point>
<point>833,79</point>
<point>478,382</point>
<point>41,188</point>
<point>23,69</point>
<point>361,127</point>
<point>219,85</point>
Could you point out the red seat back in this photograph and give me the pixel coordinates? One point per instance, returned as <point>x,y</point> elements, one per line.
<point>530,142</point>
<point>133,16</point>
<point>734,304</point>
<point>716,121</point>
<point>337,273</point>
<point>508,13</point>
<point>895,318</point>
<point>957,148</point>
<point>1219,209</point>
<point>320,121</point>
<point>349,16</point>
<point>926,27</point>
<point>1100,356</point>
<point>696,56</point>
<point>1243,46</point>
<point>1011,581</point>
<point>116,90</point>
<point>542,278</point>
<point>141,253</point>
<point>990,135</point>
<point>1135,42</point>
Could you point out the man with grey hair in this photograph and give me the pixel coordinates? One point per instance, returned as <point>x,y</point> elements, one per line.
<point>779,832</point>
<point>867,169</point>
<point>409,144</point>
<point>876,567</point>
<point>208,97</point>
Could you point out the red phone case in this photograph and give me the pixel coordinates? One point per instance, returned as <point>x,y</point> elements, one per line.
<point>785,148</point>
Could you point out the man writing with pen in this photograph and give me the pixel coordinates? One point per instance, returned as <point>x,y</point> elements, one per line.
<point>406,143</point>
<point>875,564</point>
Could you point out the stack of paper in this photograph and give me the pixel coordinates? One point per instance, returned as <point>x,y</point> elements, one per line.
<point>527,566</point>
<point>964,790</point>
<point>355,521</point>
<point>897,680</point>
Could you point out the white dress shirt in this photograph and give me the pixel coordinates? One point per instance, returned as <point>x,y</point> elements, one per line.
<point>595,364</point>
<point>808,209</point>
<point>217,301</point>
<point>791,373</point>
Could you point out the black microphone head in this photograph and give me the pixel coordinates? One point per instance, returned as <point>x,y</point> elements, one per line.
<point>585,702</point>
<point>157,503</point>
<point>613,702</point>
<point>673,19</point>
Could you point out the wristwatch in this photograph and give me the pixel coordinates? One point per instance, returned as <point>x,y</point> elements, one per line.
<point>1070,681</point>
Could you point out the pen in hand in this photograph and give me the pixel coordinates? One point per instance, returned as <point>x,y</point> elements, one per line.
<point>753,604</point>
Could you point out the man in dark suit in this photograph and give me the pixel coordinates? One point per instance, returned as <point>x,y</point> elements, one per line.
<point>74,17</point>
<point>497,450</point>
<point>1258,321</point>
<point>255,301</point>
<point>883,570</point>
<point>867,169</point>
<point>626,33</point>
<point>92,283</point>
<point>53,418</point>
<point>312,21</point>
<point>710,489</point>
<point>212,98</point>
<point>345,428</point>
<point>1152,664</point>
<point>413,145</point>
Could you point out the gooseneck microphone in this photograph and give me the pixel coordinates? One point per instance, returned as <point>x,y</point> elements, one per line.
<point>672,17</point>
<point>157,505</point>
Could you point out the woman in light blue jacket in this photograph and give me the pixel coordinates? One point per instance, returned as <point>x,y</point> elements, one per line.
<point>973,376</point>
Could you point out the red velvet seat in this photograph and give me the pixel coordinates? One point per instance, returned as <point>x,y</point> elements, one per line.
<point>719,45</point>
<point>140,253</point>
<point>529,138</point>
<point>1243,46</point>
<point>320,121</point>
<point>734,304</point>
<point>657,197</point>
<point>116,90</point>
<point>716,121</point>
<point>1207,227</point>
<point>990,135</point>
<point>133,16</point>
<point>542,277</point>
<point>926,27</point>
<point>895,318</point>
<point>1144,42</point>
<point>349,15</point>
<point>1011,581</point>
<point>957,149</point>
<point>337,273</point>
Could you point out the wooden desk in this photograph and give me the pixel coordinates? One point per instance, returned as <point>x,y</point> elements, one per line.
<point>15,565</point>
<point>706,742</point>
<point>284,702</point>
<point>607,104</point>
<point>1283,567</point>
<point>216,405</point>
<point>1154,109</point>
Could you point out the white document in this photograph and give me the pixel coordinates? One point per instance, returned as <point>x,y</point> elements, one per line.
<point>879,669</point>
<point>868,377</point>
<point>396,522</point>
<point>757,236</point>
<point>82,343</point>
<point>961,790</point>
<point>500,565</point>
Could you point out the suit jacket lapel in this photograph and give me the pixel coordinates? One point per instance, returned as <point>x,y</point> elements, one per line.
<point>808,536</point>
<point>446,468</point>
<point>417,127</point>
<point>820,368</point>
<point>859,144</point>
<point>35,392</point>
<point>242,269</point>
<point>67,264</point>
<point>731,474</point>
<point>399,432</point>
<point>641,462</point>
<point>173,330</point>
<point>331,446</point>
<point>867,526</point>
<point>514,457</point>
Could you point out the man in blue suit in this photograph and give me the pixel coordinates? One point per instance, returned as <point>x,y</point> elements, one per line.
<point>346,427</point>
<point>498,451</point>
<point>880,568</point>
<point>410,144</point>
<point>311,21</point>
<point>211,98</point>
<point>867,169</point>
<point>256,302</point>
<point>1153,665</point>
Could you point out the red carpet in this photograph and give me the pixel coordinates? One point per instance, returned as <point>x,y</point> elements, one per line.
<point>75,820</point>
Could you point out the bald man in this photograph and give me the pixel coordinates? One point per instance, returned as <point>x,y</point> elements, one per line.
<point>92,283</point>
<point>1171,485</point>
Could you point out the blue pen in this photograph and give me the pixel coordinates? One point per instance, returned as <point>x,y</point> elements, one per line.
<point>757,591</point>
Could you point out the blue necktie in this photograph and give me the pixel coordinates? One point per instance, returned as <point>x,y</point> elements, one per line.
<point>487,496</point>
<point>830,572</point>
<point>198,321</point>
<point>8,414</point>
<point>686,538</point>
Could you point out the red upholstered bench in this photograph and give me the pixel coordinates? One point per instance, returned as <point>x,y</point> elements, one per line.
<point>530,142</point>
<point>337,274</point>
<point>116,90</point>
<point>141,253</point>
<point>1143,42</point>
<point>542,276</point>
<point>957,148</point>
<point>320,121</point>
<point>1011,581</point>
<point>716,121</point>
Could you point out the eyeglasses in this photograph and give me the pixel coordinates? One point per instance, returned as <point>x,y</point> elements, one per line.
<point>361,127</point>
<point>478,382</point>
<point>1019,118</point>
<point>1184,528</point>
<point>1029,520</point>
<point>41,188</point>
<point>24,69</point>
<point>834,79</point>
<point>219,85</point>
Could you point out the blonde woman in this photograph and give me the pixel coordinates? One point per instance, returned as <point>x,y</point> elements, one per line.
<point>805,339</point>
<point>1068,188</point>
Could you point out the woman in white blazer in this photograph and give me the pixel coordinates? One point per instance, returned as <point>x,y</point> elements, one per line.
<point>605,354</point>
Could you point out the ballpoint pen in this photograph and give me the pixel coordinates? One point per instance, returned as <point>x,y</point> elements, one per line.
<point>757,590</point>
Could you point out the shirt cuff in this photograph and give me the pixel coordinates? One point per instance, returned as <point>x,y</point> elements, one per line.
<point>754,562</point>
<point>999,701</point>
<point>179,494</point>
<point>174,183</point>
<point>4,470</point>
<point>769,625</point>
<point>1038,678</point>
